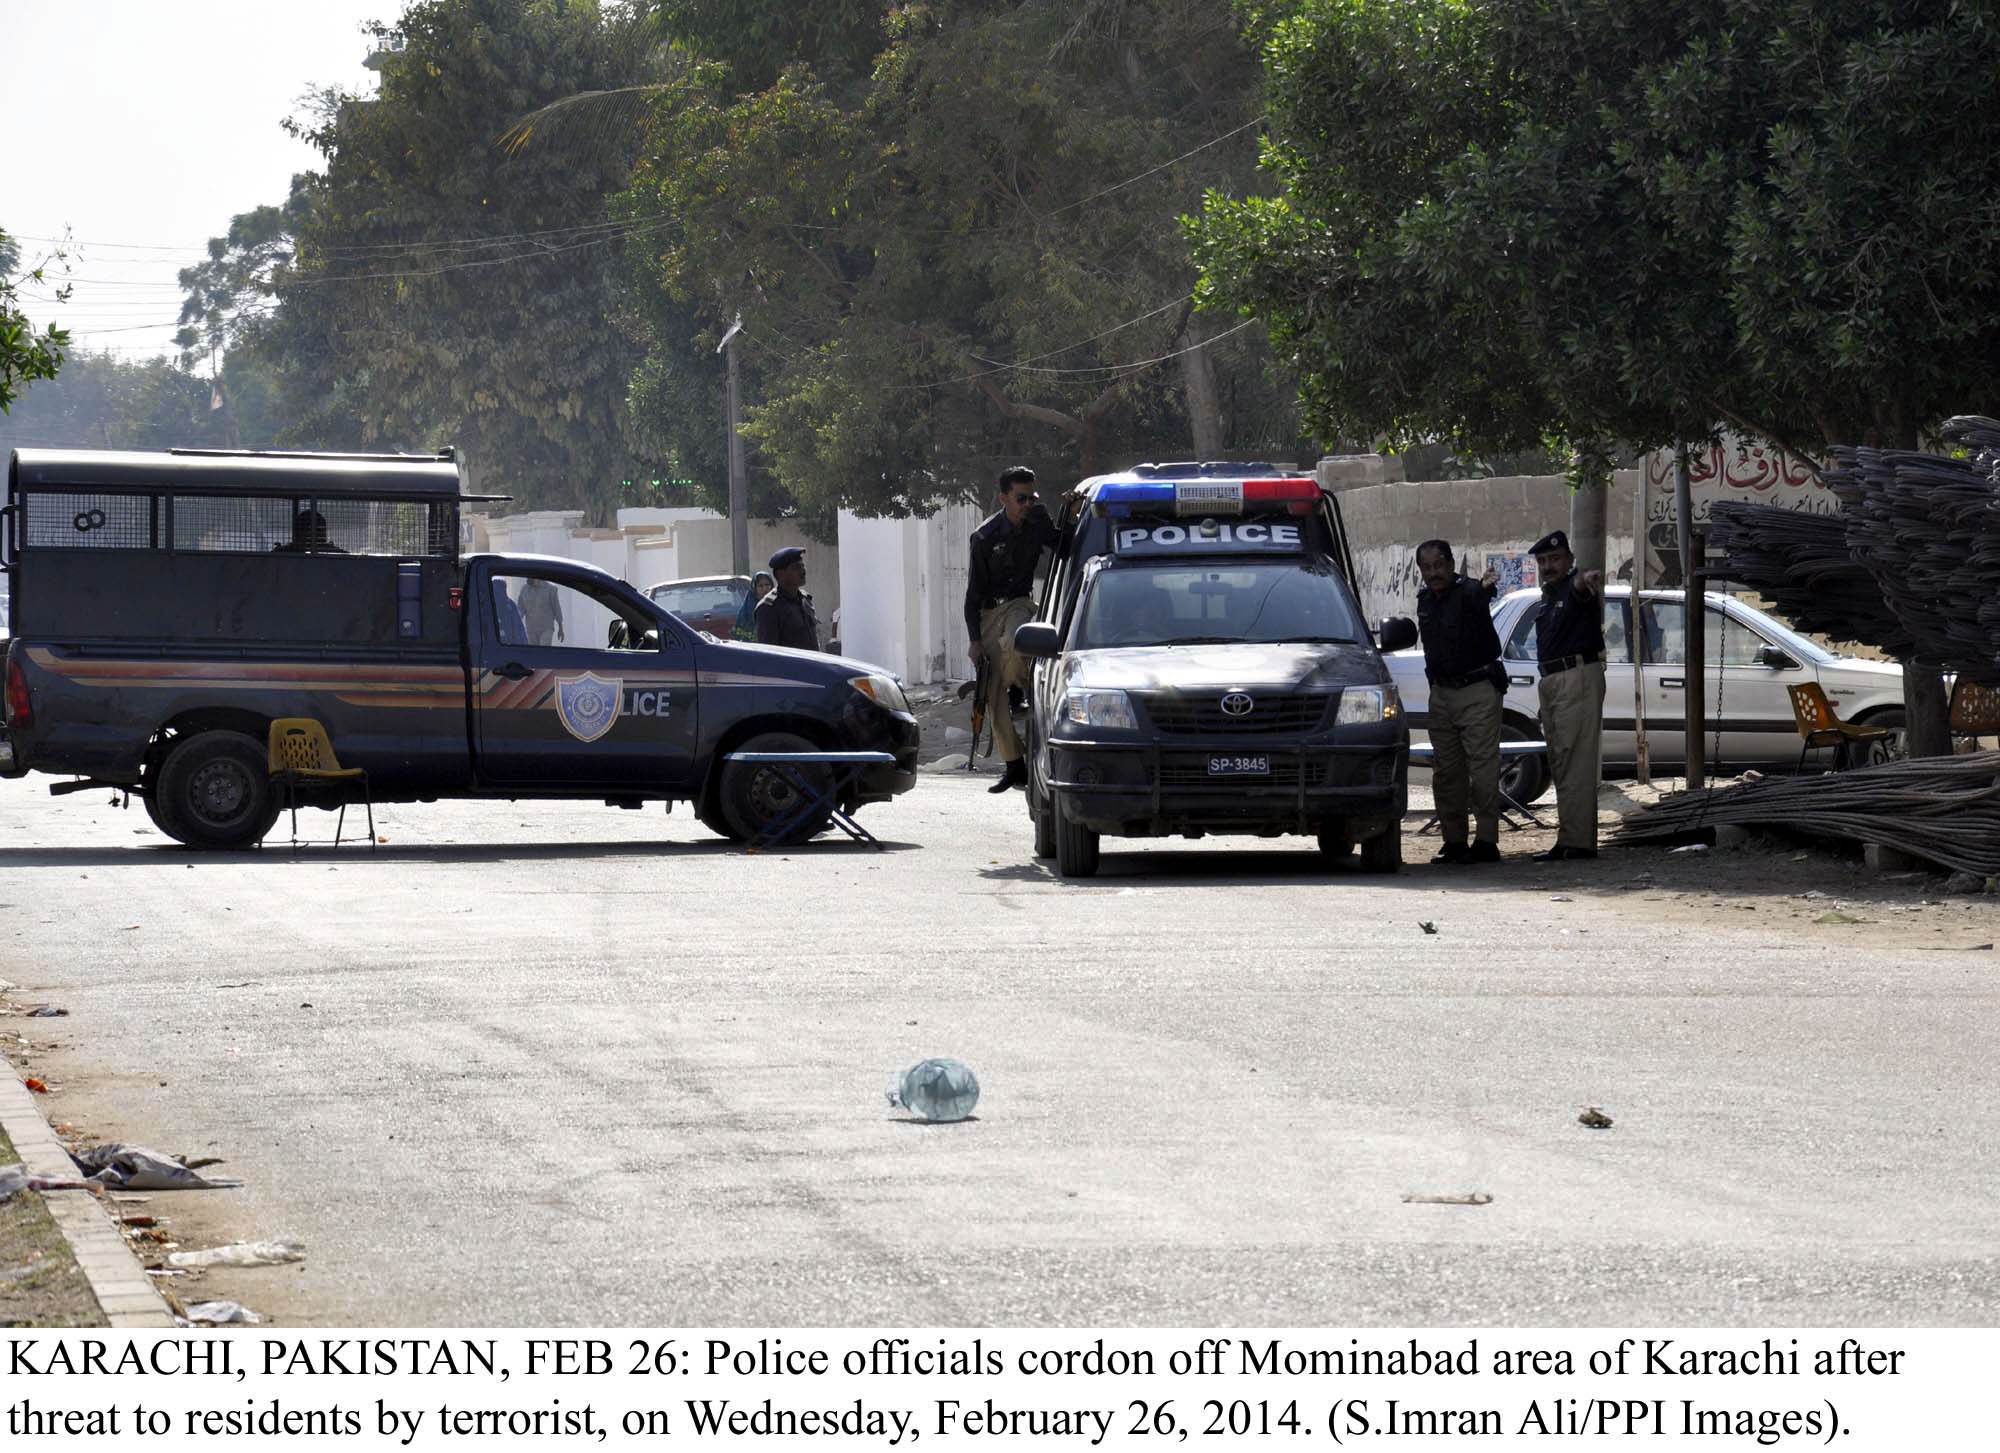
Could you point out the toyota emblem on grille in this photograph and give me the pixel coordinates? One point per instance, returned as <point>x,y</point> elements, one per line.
<point>1238,703</point>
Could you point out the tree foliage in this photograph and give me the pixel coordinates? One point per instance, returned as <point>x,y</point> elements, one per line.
<point>100,401</point>
<point>26,353</point>
<point>1612,221</point>
<point>962,251</point>
<point>442,286</point>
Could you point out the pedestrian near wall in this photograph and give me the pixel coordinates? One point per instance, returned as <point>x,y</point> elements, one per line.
<point>999,597</point>
<point>1569,642</point>
<point>1467,681</point>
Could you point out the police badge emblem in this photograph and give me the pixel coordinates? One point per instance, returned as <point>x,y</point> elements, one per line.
<point>588,705</point>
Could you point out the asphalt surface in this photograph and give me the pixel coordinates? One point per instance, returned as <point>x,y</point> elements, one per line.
<point>561,1064</point>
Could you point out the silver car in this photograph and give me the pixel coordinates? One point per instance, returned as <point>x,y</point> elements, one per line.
<point>1752,658</point>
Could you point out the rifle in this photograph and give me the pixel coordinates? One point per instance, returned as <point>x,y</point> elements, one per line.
<point>978,690</point>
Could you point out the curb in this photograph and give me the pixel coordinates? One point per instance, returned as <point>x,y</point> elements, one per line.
<point>124,1292</point>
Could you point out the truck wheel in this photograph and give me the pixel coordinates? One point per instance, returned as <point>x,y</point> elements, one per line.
<point>1076,845</point>
<point>1383,853</point>
<point>215,792</point>
<point>157,811</point>
<point>1335,847</point>
<point>712,819</point>
<point>1041,814</point>
<point>754,798</point>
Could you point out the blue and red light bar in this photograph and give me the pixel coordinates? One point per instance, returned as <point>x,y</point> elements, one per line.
<point>1184,497</point>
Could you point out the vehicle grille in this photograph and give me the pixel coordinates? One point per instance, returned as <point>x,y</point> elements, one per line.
<point>1201,714</point>
<point>1189,770</point>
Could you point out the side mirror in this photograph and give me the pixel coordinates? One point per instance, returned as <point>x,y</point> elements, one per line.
<point>619,636</point>
<point>1038,639</point>
<point>1777,658</point>
<point>1397,633</point>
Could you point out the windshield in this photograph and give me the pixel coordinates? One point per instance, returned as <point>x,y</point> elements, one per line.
<point>700,598</point>
<point>1201,603</point>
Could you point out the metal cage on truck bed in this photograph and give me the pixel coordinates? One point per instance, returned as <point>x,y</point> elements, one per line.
<point>229,547</point>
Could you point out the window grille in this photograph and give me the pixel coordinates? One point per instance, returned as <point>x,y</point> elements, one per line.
<point>65,520</point>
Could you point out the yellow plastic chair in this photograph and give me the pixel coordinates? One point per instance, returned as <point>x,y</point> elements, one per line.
<point>1975,712</point>
<point>1821,726</point>
<point>301,755</point>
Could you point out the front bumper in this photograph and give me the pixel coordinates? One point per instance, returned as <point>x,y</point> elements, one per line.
<point>1135,790</point>
<point>875,730</point>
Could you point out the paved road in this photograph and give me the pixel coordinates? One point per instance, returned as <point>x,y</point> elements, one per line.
<point>563,1064</point>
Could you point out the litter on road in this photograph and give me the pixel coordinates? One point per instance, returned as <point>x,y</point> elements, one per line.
<point>135,1168</point>
<point>222,1314</point>
<point>1469,1198</point>
<point>937,1089</point>
<point>1595,1118</point>
<point>16,1178</point>
<point>240,1253</point>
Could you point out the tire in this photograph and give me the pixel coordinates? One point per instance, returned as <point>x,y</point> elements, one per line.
<point>156,811</point>
<point>712,819</point>
<point>1897,747</point>
<point>1523,778</point>
<point>1077,847</point>
<point>1383,853</point>
<point>1045,831</point>
<point>1335,847</point>
<point>215,792</point>
<point>1040,813</point>
<point>753,798</point>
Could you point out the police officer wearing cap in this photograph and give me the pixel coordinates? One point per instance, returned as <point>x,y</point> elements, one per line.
<point>785,616</point>
<point>1569,642</point>
<point>1462,665</point>
<point>999,596</point>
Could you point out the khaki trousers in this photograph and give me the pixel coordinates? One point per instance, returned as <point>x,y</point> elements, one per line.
<point>1573,726</point>
<point>1465,734</point>
<point>1005,667</point>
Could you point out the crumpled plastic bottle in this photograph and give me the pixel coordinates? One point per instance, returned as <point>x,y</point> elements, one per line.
<point>937,1089</point>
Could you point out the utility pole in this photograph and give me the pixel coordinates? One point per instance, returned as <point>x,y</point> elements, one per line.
<point>1693,599</point>
<point>739,483</point>
<point>1635,632</point>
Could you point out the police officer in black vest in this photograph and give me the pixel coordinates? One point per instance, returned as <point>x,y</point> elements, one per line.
<point>999,596</point>
<point>1462,665</point>
<point>785,617</point>
<point>1569,643</point>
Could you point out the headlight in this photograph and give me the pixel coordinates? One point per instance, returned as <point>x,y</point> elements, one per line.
<point>885,691</point>
<point>1100,709</point>
<point>1362,704</point>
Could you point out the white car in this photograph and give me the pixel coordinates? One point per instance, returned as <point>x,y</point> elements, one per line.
<point>1752,658</point>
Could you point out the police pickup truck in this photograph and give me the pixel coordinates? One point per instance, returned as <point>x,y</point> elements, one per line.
<point>166,608</point>
<point>1202,667</point>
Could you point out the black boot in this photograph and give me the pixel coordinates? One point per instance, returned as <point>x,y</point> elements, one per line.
<point>1015,774</point>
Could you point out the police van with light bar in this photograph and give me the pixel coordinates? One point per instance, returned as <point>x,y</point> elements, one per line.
<point>1202,666</point>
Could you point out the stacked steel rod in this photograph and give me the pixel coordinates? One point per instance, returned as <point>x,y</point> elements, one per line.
<point>1942,809</point>
<point>1800,563</point>
<point>1910,564</point>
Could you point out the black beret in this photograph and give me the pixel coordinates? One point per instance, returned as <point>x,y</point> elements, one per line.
<point>1553,540</point>
<point>790,555</point>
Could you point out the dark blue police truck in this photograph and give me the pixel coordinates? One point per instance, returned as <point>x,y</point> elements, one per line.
<point>1203,667</point>
<point>166,608</point>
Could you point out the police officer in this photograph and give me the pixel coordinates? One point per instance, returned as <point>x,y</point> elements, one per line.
<point>999,597</point>
<point>785,616</point>
<point>1462,664</point>
<point>1569,640</point>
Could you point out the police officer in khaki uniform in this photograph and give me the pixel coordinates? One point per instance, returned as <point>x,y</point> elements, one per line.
<point>1569,642</point>
<point>1462,665</point>
<point>785,617</point>
<point>999,596</point>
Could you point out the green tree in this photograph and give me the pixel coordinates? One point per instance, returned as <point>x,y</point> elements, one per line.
<point>961,251</point>
<point>1618,222</point>
<point>99,401</point>
<point>26,353</point>
<point>444,287</point>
